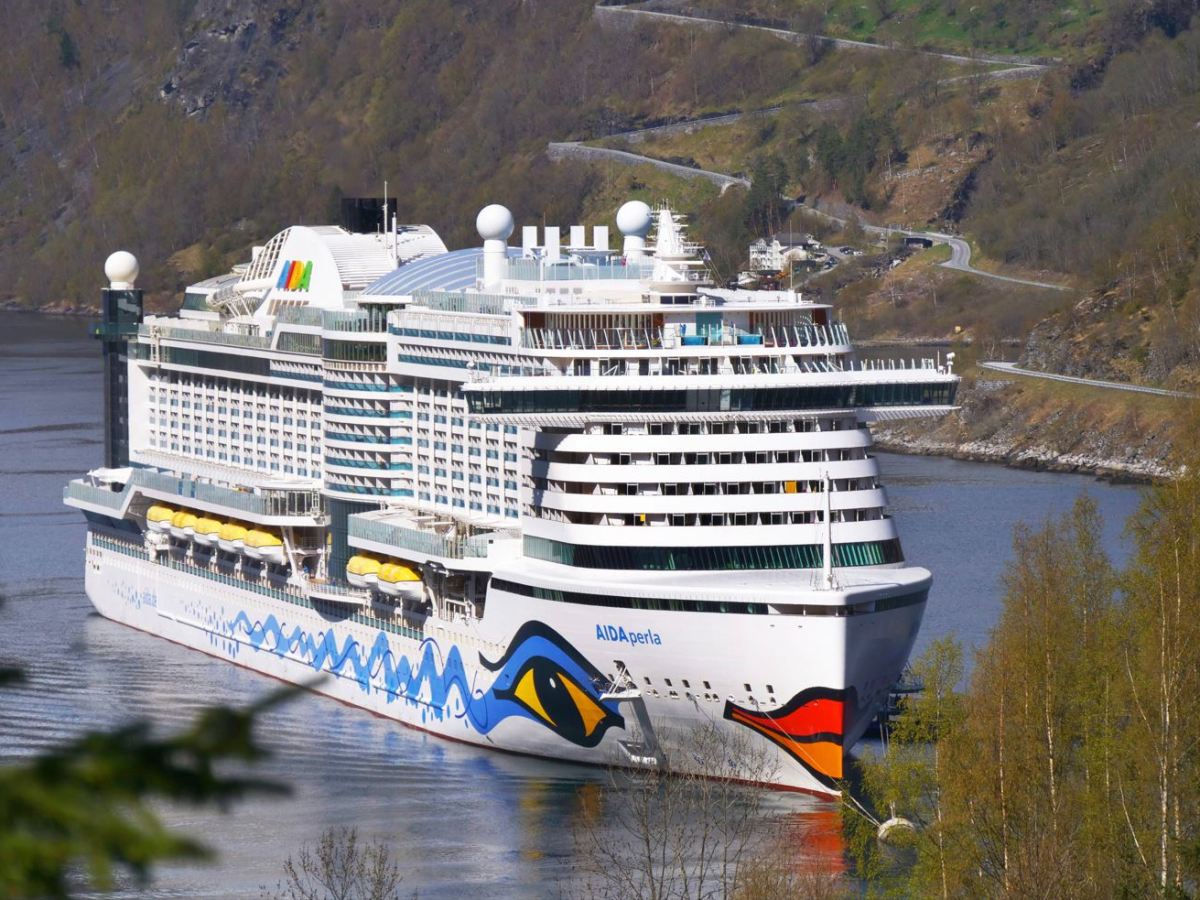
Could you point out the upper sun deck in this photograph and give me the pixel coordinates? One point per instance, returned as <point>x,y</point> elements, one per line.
<point>583,274</point>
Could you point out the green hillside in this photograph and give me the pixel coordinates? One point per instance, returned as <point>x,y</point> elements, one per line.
<point>197,127</point>
<point>194,131</point>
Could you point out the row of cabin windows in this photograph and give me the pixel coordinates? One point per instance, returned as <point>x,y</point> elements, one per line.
<point>702,488</point>
<point>731,458</point>
<point>778,427</point>
<point>681,520</point>
<point>779,556</point>
<point>654,604</point>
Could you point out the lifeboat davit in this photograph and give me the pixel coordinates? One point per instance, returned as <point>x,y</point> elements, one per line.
<point>159,517</point>
<point>231,536</point>
<point>398,580</point>
<point>363,570</point>
<point>205,531</point>
<point>264,545</point>
<point>183,524</point>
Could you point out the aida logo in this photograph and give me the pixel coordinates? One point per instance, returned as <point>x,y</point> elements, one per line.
<point>619,634</point>
<point>295,275</point>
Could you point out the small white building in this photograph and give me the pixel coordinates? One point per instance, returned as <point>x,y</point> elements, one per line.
<point>775,254</point>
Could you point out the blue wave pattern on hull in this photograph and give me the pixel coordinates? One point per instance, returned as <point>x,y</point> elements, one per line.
<point>541,677</point>
<point>393,673</point>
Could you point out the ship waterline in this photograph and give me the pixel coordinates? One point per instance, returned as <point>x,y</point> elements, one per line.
<point>564,501</point>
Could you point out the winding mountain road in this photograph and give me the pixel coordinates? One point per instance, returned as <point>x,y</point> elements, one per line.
<point>557,150</point>
<point>1026,68</point>
<point>960,250</point>
<point>1013,369</point>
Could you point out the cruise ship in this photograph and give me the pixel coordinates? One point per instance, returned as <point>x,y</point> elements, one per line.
<point>562,499</point>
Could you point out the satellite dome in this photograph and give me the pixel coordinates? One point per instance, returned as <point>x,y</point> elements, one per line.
<point>634,218</point>
<point>494,223</point>
<point>121,269</point>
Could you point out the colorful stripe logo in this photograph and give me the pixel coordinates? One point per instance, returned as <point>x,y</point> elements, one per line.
<point>295,275</point>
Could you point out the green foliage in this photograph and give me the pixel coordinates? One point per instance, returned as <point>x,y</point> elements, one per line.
<point>1076,770</point>
<point>73,816</point>
<point>850,160</point>
<point>766,207</point>
<point>68,53</point>
<point>1027,26</point>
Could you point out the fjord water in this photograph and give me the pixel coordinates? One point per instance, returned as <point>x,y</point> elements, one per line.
<point>460,819</point>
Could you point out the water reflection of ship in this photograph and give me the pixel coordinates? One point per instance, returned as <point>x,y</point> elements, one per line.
<point>814,840</point>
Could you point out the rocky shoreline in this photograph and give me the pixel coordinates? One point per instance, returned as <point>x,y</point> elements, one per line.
<point>1041,459</point>
<point>59,308</point>
<point>1115,437</point>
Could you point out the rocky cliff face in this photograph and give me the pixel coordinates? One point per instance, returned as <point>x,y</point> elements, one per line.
<point>1122,333</point>
<point>233,51</point>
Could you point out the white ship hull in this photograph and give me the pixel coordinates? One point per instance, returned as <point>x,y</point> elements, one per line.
<point>495,682</point>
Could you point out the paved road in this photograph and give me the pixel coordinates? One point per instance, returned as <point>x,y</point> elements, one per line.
<point>577,150</point>
<point>1014,65</point>
<point>960,251</point>
<point>1013,369</point>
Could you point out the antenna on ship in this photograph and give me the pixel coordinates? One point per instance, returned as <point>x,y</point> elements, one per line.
<point>828,582</point>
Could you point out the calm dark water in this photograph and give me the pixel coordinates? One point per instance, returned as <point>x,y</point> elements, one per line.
<point>461,820</point>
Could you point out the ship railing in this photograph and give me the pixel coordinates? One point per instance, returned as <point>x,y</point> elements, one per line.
<point>337,589</point>
<point>427,542</point>
<point>568,269</point>
<point>899,364</point>
<point>202,335</point>
<point>96,495</point>
<point>480,304</point>
<point>592,338</point>
<point>299,315</point>
<point>296,502</point>
<point>120,546</point>
<point>800,335</point>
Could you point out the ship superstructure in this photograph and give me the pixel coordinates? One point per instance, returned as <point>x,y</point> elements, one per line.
<point>558,498</point>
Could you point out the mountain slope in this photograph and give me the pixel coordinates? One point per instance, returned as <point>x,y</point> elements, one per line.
<point>194,130</point>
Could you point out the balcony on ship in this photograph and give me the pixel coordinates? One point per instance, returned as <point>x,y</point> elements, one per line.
<point>110,493</point>
<point>454,543</point>
<point>672,336</point>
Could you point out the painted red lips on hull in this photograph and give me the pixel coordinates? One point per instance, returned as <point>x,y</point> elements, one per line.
<point>810,728</point>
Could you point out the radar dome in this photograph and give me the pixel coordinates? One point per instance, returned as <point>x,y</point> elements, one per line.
<point>634,218</point>
<point>494,223</point>
<point>121,270</point>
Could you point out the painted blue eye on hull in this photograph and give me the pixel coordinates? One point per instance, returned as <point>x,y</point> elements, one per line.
<point>540,677</point>
<point>543,678</point>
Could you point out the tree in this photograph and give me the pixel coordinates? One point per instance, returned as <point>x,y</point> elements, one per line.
<point>690,834</point>
<point>340,868</point>
<point>71,817</point>
<point>1162,665</point>
<point>907,785</point>
<point>765,203</point>
<point>1018,797</point>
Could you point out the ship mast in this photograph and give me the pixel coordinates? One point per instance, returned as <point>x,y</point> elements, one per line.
<point>828,582</point>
